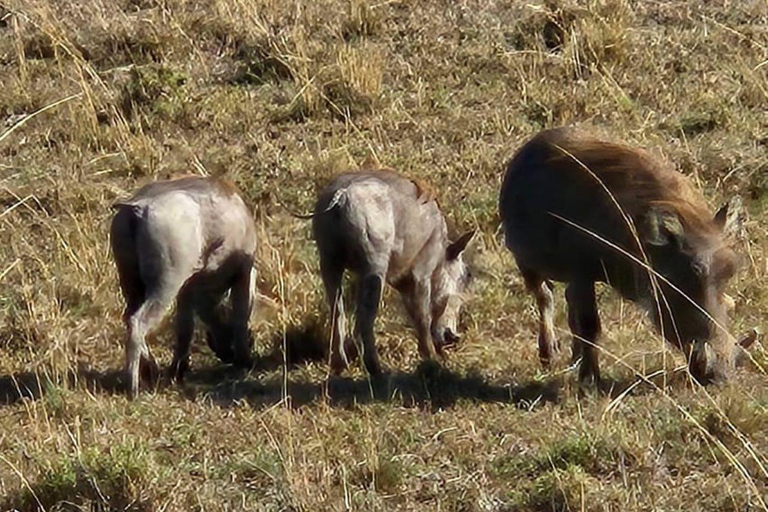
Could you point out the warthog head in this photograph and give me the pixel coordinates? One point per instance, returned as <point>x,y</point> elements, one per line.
<point>450,282</point>
<point>695,263</point>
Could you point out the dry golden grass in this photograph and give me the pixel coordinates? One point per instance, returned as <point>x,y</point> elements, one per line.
<point>98,97</point>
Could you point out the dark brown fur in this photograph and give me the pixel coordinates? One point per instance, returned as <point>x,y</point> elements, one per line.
<point>579,210</point>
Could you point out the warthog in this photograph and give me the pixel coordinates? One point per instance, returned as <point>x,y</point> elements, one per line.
<point>579,210</point>
<point>382,226</point>
<point>193,240</point>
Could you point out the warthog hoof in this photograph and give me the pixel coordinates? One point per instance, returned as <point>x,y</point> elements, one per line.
<point>149,372</point>
<point>244,362</point>
<point>178,369</point>
<point>373,366</point>
<point>221,349</point>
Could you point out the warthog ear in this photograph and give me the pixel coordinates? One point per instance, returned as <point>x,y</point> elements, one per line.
<point>457,247</point>
<point>664,226</point>
<point>370,163</point>
<point>730,218</point>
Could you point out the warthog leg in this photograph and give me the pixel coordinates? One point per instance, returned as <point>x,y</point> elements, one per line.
<point>584,322</point>
<point>241,312</point>
<point>369,295</point>
<point>162,282</point>
<point>134,290</point>
<point>185,328</point>
<point>545,303</point>
<point>332,274</point>
<point>417,303</point>
<point>208,307</point>
<point>140,324</point>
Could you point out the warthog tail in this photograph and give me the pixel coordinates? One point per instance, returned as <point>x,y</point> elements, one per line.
<point>124,204</point>
<point>337,200</point>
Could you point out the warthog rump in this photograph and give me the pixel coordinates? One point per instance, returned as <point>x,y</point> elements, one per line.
<point>191,240</point>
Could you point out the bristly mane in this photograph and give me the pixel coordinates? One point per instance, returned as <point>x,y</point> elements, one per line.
<point>425,192</point>
<point>635,178</point>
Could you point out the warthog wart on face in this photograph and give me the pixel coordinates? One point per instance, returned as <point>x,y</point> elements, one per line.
<point>383,227</point>
<point>191,240</point>
<point>580,210</point>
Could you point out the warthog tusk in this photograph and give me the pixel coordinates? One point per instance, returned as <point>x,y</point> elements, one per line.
<point>749,338</point>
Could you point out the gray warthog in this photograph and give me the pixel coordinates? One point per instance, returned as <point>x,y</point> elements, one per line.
<point>579,210</point>
<point>382,226</point>
<point>193,240</point>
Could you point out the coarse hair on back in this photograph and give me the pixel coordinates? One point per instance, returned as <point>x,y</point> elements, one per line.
<point>637,179</point>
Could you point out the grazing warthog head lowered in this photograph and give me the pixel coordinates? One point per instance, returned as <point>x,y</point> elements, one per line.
<point>449,284</point>
<point>695,261</point>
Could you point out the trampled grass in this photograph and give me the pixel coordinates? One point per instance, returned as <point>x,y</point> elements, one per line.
<point>99,97</point>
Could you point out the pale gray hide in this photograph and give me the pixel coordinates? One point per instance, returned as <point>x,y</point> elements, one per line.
<point>192,240</point>
<point>377,225</point>
<point>563,205</point>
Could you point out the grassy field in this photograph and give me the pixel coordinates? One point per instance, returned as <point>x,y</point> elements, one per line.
<point>98,97</point>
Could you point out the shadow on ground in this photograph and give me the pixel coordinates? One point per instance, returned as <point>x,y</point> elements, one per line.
<point>431,386</point>
<point>33,386</point>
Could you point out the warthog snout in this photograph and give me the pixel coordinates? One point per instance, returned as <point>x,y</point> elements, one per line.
<point>451,283</point>
<point>451,337</point>
<point>708,365</point>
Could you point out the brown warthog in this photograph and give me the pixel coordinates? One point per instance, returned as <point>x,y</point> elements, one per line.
<point>381,226</point>
<point>193,240</point>
<point>579,210</point>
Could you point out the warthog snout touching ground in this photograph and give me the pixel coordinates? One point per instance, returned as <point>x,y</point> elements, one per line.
<point>579,210</point>
<point>383,227</point>
<point>191,240</point>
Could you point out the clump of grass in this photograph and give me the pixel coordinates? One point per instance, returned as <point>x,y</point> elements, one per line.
<point>731,417</point>
<point>758,187</point>
<point>260,471</point>
<point>754,82</point>
<point>258,64</point>
<point>115,478</point>
<point>21,334</point>
<point>153,91</point>
<point>362,21</point>
<point>358,86</point>
<point>140,5</point>
<point>593,454</point>
<point>380,473</point>
<point>4,16</point>
<point>697,123</point>
<point>589,35</point>
<point>557,491</point>
<point>39,45</point>
<point>598,36</point>
<point>130,44</point>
